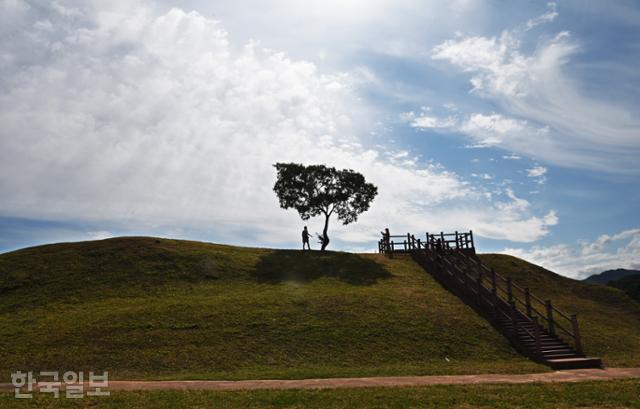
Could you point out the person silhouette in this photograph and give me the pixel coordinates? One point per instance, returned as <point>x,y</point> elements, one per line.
<point>386,239</point>
<point>305,238</point>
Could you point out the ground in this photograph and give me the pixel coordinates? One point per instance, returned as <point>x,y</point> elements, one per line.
<point>153,308</point>
<point>150,308</point>
<point>602,394</point>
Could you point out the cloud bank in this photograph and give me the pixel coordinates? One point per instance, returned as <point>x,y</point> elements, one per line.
<point>546,114</point>
<point>621,250</point>
<point>119,114</point>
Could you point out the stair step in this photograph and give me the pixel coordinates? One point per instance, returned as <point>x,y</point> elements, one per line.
<point>574,363</point>
<point>519,320</point>
<point>541,336</point>
<point>546,345</point>
<point>557,350</point>
<point>547,348</point>
<point>564,355</point>
<point>543,340</point>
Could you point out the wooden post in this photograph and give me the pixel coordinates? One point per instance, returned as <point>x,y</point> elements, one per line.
<point>413,242</point>
<point>494,293</point>
<point>514,318</point>
<point>405,245</point>
<point>494,284</point>
<point>527,299</point>
<point>552,327</point>
<point>419,244</point>
<point>509,289</point>
<point>409,240</point>
<point>480,287</point>
<point>536,333</point>
<point>391,248</point>
<point>576,333</point>
<point>457,243</point>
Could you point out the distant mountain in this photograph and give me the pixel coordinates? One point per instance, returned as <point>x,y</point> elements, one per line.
<point>611,275</point>
<point>629,284</point>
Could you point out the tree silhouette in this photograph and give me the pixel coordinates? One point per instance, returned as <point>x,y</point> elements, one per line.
<point>318,189</point>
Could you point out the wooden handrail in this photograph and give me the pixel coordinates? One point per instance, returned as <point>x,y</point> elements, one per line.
<point>563,315</point>
<point>552,323</point>
<point>482,282</point>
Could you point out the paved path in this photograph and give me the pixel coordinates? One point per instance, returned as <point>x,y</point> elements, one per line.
<point>576,375</point>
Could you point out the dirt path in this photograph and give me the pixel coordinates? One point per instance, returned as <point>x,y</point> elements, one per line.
<point>577,375</point>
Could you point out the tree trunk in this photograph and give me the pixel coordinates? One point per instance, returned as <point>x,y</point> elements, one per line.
<point>325,237</point>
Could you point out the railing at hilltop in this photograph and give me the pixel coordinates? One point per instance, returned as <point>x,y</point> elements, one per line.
<point>434,242</point>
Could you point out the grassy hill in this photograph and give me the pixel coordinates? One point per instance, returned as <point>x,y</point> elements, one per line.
<point>158,308</point>
<point>611,275</point>
<point>609,318</point>
<point>630,285</point>
<point>145,307</point>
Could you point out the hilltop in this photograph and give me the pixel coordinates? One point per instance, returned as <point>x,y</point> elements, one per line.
<point>628,284</point>
<point>611,275</point>
<point>145,307</point>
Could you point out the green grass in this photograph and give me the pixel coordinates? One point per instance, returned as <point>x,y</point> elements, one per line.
<point>609,319</point>
<point>600,394</point>
<point>630,285</point>
<point>146,308</point>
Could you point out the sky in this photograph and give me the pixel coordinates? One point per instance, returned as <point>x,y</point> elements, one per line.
<point>517,120</point>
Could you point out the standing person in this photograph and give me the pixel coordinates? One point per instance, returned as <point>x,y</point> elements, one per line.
<point>305,238</point>
<point>386,239</point>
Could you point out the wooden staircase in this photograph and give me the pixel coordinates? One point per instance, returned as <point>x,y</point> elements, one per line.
<point>533,326</point>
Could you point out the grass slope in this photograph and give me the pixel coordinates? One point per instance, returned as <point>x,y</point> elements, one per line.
<point>609,319</point>
<point>158,308</point>
<point>600,394</point>
<point>629,284</point>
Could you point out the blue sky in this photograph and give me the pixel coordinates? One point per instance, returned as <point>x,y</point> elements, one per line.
<point>518,120</point>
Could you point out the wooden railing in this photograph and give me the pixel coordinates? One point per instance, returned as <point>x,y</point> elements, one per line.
<point>529,306</point>
<point>438,241</point>
<point>453,257</point>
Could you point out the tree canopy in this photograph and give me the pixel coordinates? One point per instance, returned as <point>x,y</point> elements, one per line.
<point>317,189</point>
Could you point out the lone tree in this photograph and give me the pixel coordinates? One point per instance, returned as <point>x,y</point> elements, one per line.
<point>317,189</point>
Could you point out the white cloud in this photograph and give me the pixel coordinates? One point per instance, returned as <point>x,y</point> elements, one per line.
<point>426,120</point>
<point>494,129</point>
<point>484,176</point>
<point>100,235</point>
<point>511,156</point>
<point>487,130</point>
<point>547,17</point>
<point>538,88</point>
<point>432,122</point>
<point>536,171</point>
<point>507,215</point>
<point>497,65</point>
<point>620,250</point>
<point>122,114</point>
